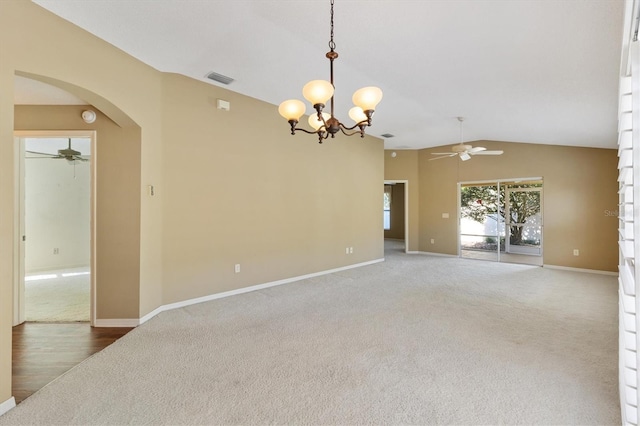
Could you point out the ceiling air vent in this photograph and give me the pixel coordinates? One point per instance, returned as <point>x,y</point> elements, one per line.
<point>387,135</point>
<point>219,78</point>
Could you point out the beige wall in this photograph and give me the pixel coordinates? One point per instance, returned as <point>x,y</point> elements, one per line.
<point>396,213</point>
<point>404,166</point>
<point>580,192</point>
<point>226,192</point>
<point>278,205</point>
<point>6,224</point>
<point>117,204</point>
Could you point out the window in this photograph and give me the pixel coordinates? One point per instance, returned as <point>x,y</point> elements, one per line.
<point>387,207</point>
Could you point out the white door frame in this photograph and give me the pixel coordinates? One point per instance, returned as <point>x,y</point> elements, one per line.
<point>19,225</point>
<point>406,209</point>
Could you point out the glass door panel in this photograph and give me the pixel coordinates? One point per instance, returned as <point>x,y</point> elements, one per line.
<point>523,214</point>
<point>480,224</point>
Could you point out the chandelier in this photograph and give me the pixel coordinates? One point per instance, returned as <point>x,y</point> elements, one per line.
<point>318,92</point>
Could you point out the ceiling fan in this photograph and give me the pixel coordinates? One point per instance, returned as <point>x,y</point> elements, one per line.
<point>464,151</point>
<point>68,154</point>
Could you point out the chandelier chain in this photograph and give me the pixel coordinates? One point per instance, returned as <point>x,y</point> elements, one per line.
<point>332,45</point>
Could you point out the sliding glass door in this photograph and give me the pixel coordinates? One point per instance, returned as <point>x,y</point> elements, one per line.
<point>502,221</point>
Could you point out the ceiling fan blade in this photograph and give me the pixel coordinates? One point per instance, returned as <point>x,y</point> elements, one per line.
<point>476,149</point>
<point>444,156</point>
<point>48,154</point>
<point>488,153</point>
<point>448,154</point>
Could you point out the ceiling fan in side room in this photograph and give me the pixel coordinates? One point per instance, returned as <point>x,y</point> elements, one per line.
<point>463,150</point>
<point>69,154</point>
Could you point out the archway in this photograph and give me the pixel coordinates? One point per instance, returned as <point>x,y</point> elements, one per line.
<point>116,204</point>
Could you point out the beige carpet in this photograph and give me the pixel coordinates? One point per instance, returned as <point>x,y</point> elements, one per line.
<point>58,296</point>
<point>413,340</point>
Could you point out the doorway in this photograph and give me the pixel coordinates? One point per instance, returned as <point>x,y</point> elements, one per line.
<point>396,215</point>
<point>56,193</point>
<point>502,220</point>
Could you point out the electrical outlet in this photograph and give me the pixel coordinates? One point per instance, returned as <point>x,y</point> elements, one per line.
<point>350,250</point>
<point>576,252</point>
<point>237,268</point>
<point>56,251</point>
<point>433,241</point>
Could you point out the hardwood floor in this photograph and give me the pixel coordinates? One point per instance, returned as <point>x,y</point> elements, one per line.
<point>44,351</point>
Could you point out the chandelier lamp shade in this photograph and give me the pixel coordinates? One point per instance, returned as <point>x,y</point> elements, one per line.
<point>319,92</point>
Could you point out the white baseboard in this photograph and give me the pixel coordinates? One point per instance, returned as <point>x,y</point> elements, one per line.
<point>590,271</point>
<point>428,253</point>
<point>135,322</point>
<point>7,405</point>
<point>565,268</point>
<point>117,322</point>
<point>153,313</point>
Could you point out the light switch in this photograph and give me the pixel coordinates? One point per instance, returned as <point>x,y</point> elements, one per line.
<point>445,215</point>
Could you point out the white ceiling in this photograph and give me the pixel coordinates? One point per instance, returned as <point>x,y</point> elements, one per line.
<point>538,71</point>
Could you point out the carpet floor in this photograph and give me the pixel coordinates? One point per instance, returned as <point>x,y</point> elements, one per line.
<point>413,340</point>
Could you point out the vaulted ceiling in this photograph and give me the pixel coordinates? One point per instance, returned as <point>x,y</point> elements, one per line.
<point>537,71</point>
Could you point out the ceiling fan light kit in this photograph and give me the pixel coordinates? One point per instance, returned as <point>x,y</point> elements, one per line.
<point>464,151</point>
<point>318,92</point>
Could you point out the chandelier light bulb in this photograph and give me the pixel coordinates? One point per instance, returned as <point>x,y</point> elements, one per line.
<point>317,91</point>
<point>292,109</point>
<point>367,98</point>
<point>315,123</point>
<point>357,114</point>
